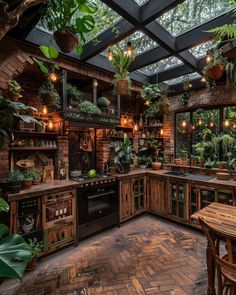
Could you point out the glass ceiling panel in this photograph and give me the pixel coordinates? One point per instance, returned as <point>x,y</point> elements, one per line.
<point>141,2</point>
<point>180,79</point>
<point>161,65</point>
<point>191,13</point>
<point>201,50</point>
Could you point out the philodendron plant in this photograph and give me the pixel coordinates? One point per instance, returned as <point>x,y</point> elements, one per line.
<point>15,253</point>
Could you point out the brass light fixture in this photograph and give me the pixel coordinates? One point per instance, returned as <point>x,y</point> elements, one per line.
<point>129,49</point>
<point>184,123</point>
<point>110,54</point>
<point>212,124</point>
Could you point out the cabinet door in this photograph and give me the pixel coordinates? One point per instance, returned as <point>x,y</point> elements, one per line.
<point>126,206</point>
<point>157,195</point>
<point>207,196</point>
<point>139,194</point>
<point>178,199</point>
<point>224,197</point>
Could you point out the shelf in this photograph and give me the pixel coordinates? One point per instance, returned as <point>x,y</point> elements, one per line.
<point>124,127</point>
<point>148,138</point>
<point>151,127</point>
<point>32,133</point>
<point>28,148</point>
<point>119,137</point>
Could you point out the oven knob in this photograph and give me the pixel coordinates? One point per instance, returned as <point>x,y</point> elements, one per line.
<point>86,184</point>
<point>100,211</point>
<point>92,183</point>
<point>105,181</point>
<point>96,182</point>
<point>101,182</point>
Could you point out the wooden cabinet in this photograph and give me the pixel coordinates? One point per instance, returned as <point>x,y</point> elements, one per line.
<point>177,201</point>
<point>126,202</point>
<point>157,192</point>
<point>133,199</point>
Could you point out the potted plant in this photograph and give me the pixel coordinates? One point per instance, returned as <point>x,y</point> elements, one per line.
<point>209,163</point>
<point>68,19</point>
<point>199,149</point>
<point>14,90</point>
<point>123,155</point>
<point>88,107</point>
<point>14,181</point>
<point>36,177</point>
<point>216,65</point>
<point>74,96</point>
<point>29,175</point>
<point>103,103</point>
<point>186,95</point>
<point>145,161</point>
<point>35,247</point>
<point>221,164</point>
<point>14,251</point>
<point>122,61</point>
<point>49,96</point>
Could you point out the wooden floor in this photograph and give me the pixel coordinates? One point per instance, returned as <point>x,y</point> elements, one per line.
<point>145,256</point>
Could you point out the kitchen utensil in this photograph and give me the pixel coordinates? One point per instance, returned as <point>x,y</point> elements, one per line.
<point>25,164</point>
<point>75,173</point>
<point>90,147</point>
<point>85,145</point>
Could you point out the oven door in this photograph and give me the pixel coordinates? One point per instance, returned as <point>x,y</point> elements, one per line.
<point>97,202</point>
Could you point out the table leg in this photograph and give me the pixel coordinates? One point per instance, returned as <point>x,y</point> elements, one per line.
<point>211,271</point>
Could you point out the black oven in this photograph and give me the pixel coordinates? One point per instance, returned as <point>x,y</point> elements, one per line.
<point>98,207</point>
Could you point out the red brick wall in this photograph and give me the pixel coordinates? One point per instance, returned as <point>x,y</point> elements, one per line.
<point>62,153</point>
<point>4,159</point>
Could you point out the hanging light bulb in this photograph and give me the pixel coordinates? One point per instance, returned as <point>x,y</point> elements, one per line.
<point>53,77</point>
<point>234,126</point>
<point>212,124</point>
<point>95,83</point>
<point>162,132</point>
<point>208,57</point>
<point>45,110</point>
<point>226,122</point>
<point>110,55</point>
<point>50,125</point>
<point>203,79</point>
<point>193,127</point>
<point>129,51</point>
<point>184,123</point>
<point>135,127</point>
<point>147,102</point>
<point>190,85</point>
<point>200,122</point>
<point>125,121</point>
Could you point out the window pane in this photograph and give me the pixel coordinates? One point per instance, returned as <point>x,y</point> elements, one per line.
<point>191,13</point>
<point>182,135</point>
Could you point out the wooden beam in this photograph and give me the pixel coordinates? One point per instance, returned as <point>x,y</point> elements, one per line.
<point>9,20</point>
<point>107,38</point>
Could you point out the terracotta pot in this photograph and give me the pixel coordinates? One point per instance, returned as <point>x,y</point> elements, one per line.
<point>32,264</point>
<point>202,163</point>
<point>156,165</point>
<point>66,40</point>
<point>27,183</point>
<point>14,96</point>
<point>36,181</point>
<point>221,166</point>
<point>216,72</point>
<point>112,170</point>
<point>178,161</point>
<point>193,162</point>
<point>123,87</point>
<point>184,162</point>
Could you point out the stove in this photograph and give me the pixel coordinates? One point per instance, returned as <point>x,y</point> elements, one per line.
<point>98,204</point>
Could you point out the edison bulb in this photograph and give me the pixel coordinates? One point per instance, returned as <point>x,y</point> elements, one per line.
<point>226,122</point>
<point>53,77</point>
<point>184,123</point>
<point>50,125</point>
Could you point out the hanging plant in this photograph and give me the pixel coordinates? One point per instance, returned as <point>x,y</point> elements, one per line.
<point>186,94</point>
<point>68,19</point>
<point>151,92</point>
<point>122,61</point>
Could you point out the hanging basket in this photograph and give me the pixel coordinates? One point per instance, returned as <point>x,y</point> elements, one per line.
<point>66,40</point>
<point>216,72</point>
<point>123,87</point>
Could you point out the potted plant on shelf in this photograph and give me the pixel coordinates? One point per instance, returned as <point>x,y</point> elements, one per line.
<point>122,61</point>
<point>29,175</point>
<point>103,103</point>
<point>87,107</point>
<point>123,155</point>
<point>49,96</point>
<point>221,164</point>
<point>74,96</point>
<point>68,19</point>
<point>36,177</point>
<point>199,149</point>
<point>14,181</point>
<point>14,90</point>
<point>14,251</point>
<point>35,247</point>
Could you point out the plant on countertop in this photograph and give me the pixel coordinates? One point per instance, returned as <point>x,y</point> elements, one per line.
<point>123,155</point>
<point>14,251</point>
<point>103,103</point>
<point>67,19</point>
<point>49,96</point>
<point>14,90</point>
<point>88,107</point>
<point>10,110</point>
<point>15,176</point>
<point>36,248</point>
<point>122,62</point>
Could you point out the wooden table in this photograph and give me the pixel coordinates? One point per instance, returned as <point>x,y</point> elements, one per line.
<point>223,218</point>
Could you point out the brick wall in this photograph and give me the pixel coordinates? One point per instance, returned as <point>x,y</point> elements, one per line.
<point>220,95</point>
<point>62,154</point>
<point>102,149</point>
<point>4,159</point>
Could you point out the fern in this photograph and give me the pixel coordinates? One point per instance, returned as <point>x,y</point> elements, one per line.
<point>228,31</point>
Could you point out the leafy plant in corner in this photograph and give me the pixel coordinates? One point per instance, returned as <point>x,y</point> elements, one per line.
<point>49,96</point>
<point>14,251</point>
<point>122,62</point>
<point>14,90</point>
<point>68,19</point>
<point>10,110</point>
<point>35,247</point>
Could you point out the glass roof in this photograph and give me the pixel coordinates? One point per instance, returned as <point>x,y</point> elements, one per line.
<point>201,50</point>
<point>180,79</point>
<point>161,65</point>
<point>141,2</point>
<point>191,13</point>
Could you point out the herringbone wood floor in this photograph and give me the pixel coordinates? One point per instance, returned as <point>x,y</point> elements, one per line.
<point>145,256</point>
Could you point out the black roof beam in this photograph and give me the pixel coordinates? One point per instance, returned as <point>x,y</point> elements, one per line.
<point>184,41</point>
<point>152,9</point>
<point>107,38</point>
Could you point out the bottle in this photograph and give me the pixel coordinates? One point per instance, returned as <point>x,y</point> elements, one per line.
<point>62,170</point>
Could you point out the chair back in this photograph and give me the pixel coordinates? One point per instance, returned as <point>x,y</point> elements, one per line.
<point>227,268</point>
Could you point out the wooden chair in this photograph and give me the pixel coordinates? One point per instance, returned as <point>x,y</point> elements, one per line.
<point>225,264</point>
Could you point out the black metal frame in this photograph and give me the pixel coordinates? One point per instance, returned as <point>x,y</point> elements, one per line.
<point>143,18</point>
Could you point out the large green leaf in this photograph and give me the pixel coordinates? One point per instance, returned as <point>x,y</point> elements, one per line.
<point>85,24</point>
<point>45,50</point>
<point>41,65</point>
<point>53,53</point>
<point>4,207</point>
<point>89,7</point>
<point>14,255</point>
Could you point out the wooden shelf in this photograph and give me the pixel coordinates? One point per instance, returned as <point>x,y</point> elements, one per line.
<point>32,133</point>
<point>29,148</point>
<point>148,138</point>
<point>119,137</point>
<point>151,127</point>
<point>124,127</point>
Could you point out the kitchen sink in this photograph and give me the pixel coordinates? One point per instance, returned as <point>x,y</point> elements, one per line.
<point>189,175</point>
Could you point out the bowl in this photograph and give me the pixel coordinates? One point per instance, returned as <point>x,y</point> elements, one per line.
<point>75,173</point>
<point>156,165</point>
<point>223,175</point>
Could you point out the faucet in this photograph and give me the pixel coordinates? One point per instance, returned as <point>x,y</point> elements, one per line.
<point>190,163</point>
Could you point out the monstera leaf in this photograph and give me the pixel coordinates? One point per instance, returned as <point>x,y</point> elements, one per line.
<point>14,254</point>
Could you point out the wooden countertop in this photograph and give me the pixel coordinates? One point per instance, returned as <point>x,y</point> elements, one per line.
<point>44,188</point>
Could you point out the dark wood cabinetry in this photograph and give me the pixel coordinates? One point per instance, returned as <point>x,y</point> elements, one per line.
<point>157,197</point>
<point>126,202</point>
<point>177,200</point>
<point>139,194</point>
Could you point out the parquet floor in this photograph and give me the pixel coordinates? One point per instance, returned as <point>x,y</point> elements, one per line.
<point>145,256</point>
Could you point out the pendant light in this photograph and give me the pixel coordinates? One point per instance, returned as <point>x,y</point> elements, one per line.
<point>212,124</point>
<point>234,126</point>
<point>226,122</point>
<point>184,123</point>
<point>129,49</point>
<point>110,54</point>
